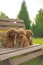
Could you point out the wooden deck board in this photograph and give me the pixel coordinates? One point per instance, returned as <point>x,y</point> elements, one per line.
<point>6,53</point>
<point>6,50</point>
<point>28,57</point>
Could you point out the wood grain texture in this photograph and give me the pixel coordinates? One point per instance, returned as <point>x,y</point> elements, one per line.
<point>28,57</point>
<point>8,53</point>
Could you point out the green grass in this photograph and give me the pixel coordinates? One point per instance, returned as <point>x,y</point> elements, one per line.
<point>37,40</point>
<point>35,61</point>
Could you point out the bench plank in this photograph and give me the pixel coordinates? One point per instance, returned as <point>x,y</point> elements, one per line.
<point>6,19</point>
<point>11,20</point>
<point>6,28</point>
<point>14,52</point>
<point>6,50</point>
<point>27,57</point>
<point>11,24</point>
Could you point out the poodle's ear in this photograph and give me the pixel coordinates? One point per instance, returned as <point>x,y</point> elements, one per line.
<point>29,32</point>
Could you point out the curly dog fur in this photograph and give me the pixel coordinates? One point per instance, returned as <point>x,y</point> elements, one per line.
<point>17,38</point>
<point>9,38</point>
<point>21,38</point>
<point>29,36</point>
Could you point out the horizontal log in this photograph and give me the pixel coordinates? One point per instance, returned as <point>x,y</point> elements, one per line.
<point>6,28</point>
<point>6,19</point>
<point>11,20</point>
<point>11,24</point>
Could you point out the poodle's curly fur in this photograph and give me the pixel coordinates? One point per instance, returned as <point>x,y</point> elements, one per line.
<point>17,38</point>
<point>21,38</point>
<point>29,36</point>
<point>9,38</point>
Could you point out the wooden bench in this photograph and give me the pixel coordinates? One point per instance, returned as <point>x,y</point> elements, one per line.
<point>6,54</point>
